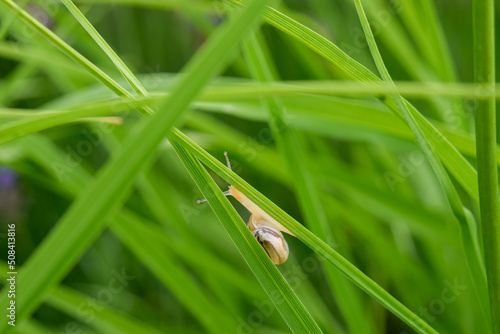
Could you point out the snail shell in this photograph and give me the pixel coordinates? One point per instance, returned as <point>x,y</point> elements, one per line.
<point>264,228</point>
<point>270,239</point>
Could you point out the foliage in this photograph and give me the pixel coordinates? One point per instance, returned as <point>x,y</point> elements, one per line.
<point>114,117</point>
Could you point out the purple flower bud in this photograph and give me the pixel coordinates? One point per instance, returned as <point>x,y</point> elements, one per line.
<point>8,177</point>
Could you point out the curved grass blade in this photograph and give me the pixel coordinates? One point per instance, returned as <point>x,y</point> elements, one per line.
<point>353,273</point>
<point>86,217</point>
<point>458,166</point>
<point>349,299</point>
<point>120,65</point>
<point>291,320</point>
<point>280,293</point>
<point>159,260</point>
<point>311,240</point>
<point>107,320</point>
<point>473,256</point>
<point>312,113</point>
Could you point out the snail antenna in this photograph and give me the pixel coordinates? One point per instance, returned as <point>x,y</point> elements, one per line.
<point>226,193</point>
<point>227,160</point>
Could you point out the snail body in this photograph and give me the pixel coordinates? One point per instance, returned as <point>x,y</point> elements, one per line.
<point>265,229</point>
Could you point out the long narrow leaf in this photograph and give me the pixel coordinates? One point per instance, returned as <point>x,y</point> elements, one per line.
<point>159,260</point>
<point>311,240</point>
<point>471,249</point>
<point>486,141</point>
<point>458,166</point>
<point>285,300</point>
<point>86,218</point>
<point>349,300</point>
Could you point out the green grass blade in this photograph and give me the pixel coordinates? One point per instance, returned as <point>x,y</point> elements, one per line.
<point>458,166</point>
<point>159,258</point>
<point>349,300</point>
<point>155,256</point>
<point>351,88</point>
<point>107,320</point>
<point>283,297</point>
<point>423,24</point>
<point>381,296</point>
<point>120,65</point>
<point>473,255</point>
<point>58,42</point>
<point>45,120</point>
<point>314,114</point>
<point>350,118</point>
<point>484,73</point>
<point>86,217</point>
<point>311,240</point>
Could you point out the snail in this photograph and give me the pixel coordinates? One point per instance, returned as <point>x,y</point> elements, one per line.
<point>264,228</point>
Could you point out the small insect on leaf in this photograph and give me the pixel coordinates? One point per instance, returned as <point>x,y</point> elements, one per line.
<point>265,229</point>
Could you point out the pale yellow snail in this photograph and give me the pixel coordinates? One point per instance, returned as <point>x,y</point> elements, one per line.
<point>265,229</point>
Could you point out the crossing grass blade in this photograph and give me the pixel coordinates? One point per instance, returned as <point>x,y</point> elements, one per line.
<point>290,307</point>
<point>347,297</point>
<point>458,166</point>
<point>400,233</point>
<point>87,216</point>
<point>374,290</point>
<point>311,240</point>
<point>473,255</point>
<point>120,65</point>
<point>107,320</point>
<point>315,114</point>
<point>160,259</point>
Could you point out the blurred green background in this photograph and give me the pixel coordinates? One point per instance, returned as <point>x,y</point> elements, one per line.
<point>381,198</point>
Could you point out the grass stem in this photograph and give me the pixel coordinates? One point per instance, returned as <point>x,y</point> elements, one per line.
<point>484,73</point>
